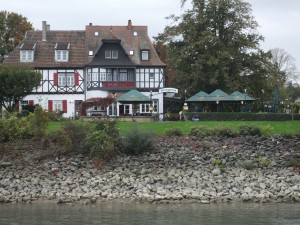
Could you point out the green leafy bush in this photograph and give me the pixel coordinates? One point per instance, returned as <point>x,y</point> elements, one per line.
<point>97,139</point>
<point>200,132</point>
<point>224,131</point>
<point>70,137</point>
<point>39,121</point>
<point>247,164</point>
<point>263,161</point>
<point>137,141</point>
<point>55,115</point>
<point>16,128</point>
<point>174,132</point>
<point>249,130</point>
<point>293,162</point>
<point>99,144</point>
<point>267,130</point>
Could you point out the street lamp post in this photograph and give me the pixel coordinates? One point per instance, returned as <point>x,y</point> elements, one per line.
<point>245,99</point>
<point>217,106</point>
<point>263,93</point>
<point>151,103</point>
<point>242,102</point>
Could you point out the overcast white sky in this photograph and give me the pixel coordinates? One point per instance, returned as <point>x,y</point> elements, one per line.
<point>278,19</point>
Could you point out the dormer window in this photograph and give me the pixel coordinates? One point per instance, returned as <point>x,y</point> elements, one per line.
<point>27,52</point>
<point>111,54</point>
<point>62,52</point>
<point>145,55</point>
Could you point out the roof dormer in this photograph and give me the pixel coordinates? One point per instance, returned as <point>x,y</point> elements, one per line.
<point>27,52</point>
<point>62,52</point>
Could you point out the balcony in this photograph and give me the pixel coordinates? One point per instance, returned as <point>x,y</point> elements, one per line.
<point>118,85</point>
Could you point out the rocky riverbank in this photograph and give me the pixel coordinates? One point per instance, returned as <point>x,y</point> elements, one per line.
<point>214,169</point>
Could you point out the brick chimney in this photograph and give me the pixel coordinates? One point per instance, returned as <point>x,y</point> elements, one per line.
<point>129,26</point>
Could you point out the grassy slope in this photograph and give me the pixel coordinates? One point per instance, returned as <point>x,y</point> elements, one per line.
<point>277,128</point>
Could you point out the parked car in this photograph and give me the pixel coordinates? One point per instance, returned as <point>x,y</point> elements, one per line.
<point>195,118</point>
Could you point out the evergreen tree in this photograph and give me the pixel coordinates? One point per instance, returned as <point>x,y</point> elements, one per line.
<point>215,44</point>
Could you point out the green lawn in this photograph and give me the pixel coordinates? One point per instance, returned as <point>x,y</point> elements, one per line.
<point>277,128</point>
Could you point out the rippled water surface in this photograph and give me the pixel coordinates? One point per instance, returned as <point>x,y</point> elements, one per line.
<point>148,214</point>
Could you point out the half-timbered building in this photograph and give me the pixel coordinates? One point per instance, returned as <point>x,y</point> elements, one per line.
<point>99,61</point>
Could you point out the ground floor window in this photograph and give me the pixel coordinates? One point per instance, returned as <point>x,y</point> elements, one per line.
<point>146,108</point>
<point>24,103</point>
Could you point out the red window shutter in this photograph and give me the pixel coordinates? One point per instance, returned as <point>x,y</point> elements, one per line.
<point>65,106</point>
<point>50,106</point>
<point>55,78</point>
<point>30,102</point>
<point>76,78</point>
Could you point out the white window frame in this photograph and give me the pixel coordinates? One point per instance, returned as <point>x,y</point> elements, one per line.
<point>111,54</point>
<point>66,79</point>
<point>107,54</point>
<point>145,55</point>
<point>26,55</point>
<point>61,55</point>
<point>114,54</point>
<point>145,108</point>
<point>57,105</point>
<point>102,76</point>
<point>95,76</point>
<point>24,103</point>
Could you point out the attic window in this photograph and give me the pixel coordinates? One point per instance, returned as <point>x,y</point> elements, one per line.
<point>131,52</point>
<point>27,52</point>
<point>135,33</point>
<point>145,55</point>
<point>91,53</point>
<point>111,54</point>
<point>96,33</point>
<point>62,52</point>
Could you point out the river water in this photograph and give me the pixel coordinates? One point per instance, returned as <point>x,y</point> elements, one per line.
<point>150,214</point>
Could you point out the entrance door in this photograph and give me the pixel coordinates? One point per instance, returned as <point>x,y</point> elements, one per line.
<point>124,109</point>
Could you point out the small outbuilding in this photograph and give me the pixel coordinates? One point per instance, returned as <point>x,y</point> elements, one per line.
<point>219,101</point>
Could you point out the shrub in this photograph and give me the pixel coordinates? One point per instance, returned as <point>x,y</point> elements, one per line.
<point>99,144</point>
<point>39,121</point>
<point>247,164</point>
<point>174,132</point>
<point>16,128</point>
<point>55,115</point>
<point>70,137</point>
<point>224,131</point>
<point>263,161</point>
<point>137,141</point>
<point>200,132</point>
<point>293,162</point>
<point>267,130</point>
<point>249,130</point>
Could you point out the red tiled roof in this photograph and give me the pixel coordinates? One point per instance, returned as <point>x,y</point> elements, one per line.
<point>81,42</point>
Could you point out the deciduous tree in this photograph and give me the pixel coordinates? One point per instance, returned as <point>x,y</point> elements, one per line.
<point>12,30</point>
<point>15,83</point>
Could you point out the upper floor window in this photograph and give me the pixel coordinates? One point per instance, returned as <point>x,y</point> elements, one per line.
<point>26,55</point>
<point>61,55</point>
<point>145,55</point>
<point>66,79</point>
<point>111,54</point>
<point>27,52</point>
<point>62,52</point>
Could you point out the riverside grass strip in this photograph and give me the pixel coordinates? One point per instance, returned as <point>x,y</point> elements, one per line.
<point>160,128</point>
